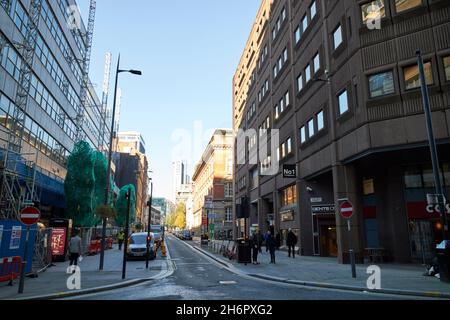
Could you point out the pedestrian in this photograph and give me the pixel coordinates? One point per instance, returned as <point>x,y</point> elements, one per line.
<point>121,238</point>
<point>278,240</point>
<point>75,248</point>
<point>271,244</point>
<point>255,247</point>
<point>266,236</point>
<point>291,241</point>
<point>260,241</point>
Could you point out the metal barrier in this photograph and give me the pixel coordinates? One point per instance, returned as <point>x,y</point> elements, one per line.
<point>42,258</point>
<point>10,268</point>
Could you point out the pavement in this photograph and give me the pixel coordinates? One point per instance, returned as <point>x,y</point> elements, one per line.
<point>197,277</point>
<point>402,279</point>
<point>53,282</point>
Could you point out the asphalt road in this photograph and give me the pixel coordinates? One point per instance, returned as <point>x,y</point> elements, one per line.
<point>197,277</point>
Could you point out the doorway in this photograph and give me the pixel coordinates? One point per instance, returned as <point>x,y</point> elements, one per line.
<point>328,241</point>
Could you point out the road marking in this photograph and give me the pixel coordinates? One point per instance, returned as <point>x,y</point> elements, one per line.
<point>227,282</point>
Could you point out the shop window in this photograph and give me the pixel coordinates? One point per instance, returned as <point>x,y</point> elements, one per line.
<point>412,77</point>
<point>289,196</point>
<point>381,84</point>
<point>403,5</point>
<point>447,68</point>
<point>413,178</point>
<point>368,187</point>
<point>373,10</point>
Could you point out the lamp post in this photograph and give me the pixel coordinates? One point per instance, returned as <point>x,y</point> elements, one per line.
<point>127,231</point>
<point>149,223</point>
<point>108,180</point>
<point>433,149</point>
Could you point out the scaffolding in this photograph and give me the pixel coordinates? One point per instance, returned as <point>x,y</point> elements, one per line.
<point>18,174</point>
<point>83,105</point>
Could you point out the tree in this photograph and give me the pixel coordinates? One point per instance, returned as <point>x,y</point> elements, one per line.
<point>180,220</point>
<point>122,205</point>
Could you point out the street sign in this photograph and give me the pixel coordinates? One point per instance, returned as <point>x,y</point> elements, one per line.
<point>290,171</point>
<point>30,215</point>
<point>323,209</point>
<point>346,210</point>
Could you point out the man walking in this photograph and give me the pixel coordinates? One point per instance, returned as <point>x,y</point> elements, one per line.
<point>272,245</point>
<point>291,241</point>
<point>121,238</point>
<point>75,248</point>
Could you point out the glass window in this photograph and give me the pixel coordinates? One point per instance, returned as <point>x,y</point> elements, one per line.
<point>297,34</point>
<point>337,37</point>
<point>368,187</point>
<point>289,196</point>
<point>285,55</point>
<point>447,68</point>
<point>311,128</point>
<point>277,112</point>
<point>308,73</point>
<point>343,102</point>
<point>373,10</point>
<point>300,82</point>
<point>281,105</point>
<point>412,77</point>
<point>381,84</point>
<point>403,5</point>
<point>320,121</point>
<point>283,150</point>
<point>413,177</point>
<point>289,145</point>
<point>283,14</point>
<point>305,22</point>
<point>275,71</point>
<point>316,63</point>
<point>313,9</point>
<point>287,100</point>
<point>280,63</point>
<point>303,134</point>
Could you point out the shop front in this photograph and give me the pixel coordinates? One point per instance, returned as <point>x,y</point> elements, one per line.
<point>324,230</point>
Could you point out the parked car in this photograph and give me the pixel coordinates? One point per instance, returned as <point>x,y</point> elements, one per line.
<point>158,231</point>
<point>186,235</point>
<point>137,246</point>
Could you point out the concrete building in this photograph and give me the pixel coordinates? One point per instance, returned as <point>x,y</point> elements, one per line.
<point>178,177</point>
<point>43,99</point>
<point>213,186</point>
<point>156,218</point>
<point>132,167</point>
<point>345,97</point>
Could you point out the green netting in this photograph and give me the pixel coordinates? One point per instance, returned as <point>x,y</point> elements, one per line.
<point>85,184</point>
<point>121,205</point>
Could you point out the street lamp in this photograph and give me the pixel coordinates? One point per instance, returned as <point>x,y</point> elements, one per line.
<point>108,180</point>
<point>149,223</point>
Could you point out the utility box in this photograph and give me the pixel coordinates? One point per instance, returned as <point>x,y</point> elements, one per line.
<point>244,251</point>
<point>443,255</point>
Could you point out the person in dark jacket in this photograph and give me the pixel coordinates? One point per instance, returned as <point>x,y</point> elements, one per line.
<point>260,241</point>
<point>278,240</point>
<point>291,241</point>
<point>271,245</point>
<point>255,247</point>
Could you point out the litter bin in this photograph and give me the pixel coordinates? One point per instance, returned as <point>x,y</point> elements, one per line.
<point>443,255</point>
<point>244,251</point>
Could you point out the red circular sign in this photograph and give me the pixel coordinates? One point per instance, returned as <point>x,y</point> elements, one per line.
<point>30,215</point>
<point>346,210</point>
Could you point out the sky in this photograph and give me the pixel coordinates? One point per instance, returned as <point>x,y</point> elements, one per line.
<point>188,52</point>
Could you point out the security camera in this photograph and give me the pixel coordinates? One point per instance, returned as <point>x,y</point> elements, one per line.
<point>309,189</point>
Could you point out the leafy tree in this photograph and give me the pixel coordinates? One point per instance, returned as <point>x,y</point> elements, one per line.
<point>180,220</point>
<point>122,205</point>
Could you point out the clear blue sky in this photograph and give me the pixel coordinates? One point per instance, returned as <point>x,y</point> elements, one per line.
<point>188,52</point>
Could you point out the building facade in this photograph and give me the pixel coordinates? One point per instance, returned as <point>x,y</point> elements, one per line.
<point>178,177</point>
<point>132,167</point>
<point>40,95</point>
<point>343,94</point>
<point>213,187</point>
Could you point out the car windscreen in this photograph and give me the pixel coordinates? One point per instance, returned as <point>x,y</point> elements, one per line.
<point>138,239</point>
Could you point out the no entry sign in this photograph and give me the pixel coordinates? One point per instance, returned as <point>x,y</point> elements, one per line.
<point>30,215</point>
<point>346,210</point>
